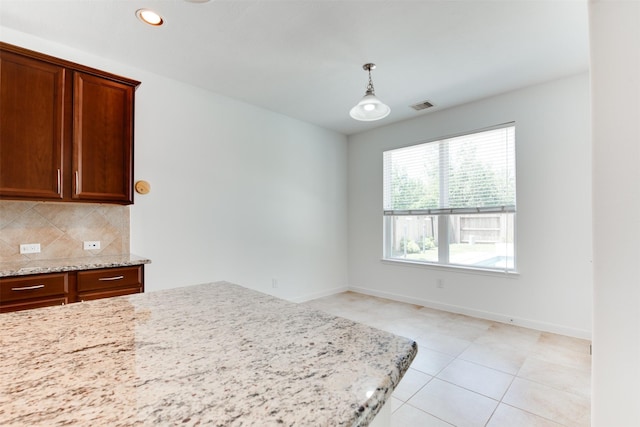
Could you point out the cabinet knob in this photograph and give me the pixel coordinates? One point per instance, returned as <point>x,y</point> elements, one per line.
<point>142,187</point>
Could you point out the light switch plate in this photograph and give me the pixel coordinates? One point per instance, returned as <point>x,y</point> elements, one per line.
<point>30,248</point>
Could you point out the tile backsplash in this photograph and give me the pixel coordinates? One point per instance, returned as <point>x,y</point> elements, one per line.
<point>61,229</point>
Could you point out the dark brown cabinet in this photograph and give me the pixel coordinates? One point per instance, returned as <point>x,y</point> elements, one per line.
<point>32,106</point>
<point>43,290</point>
<point>38,290</point>
<point>66,130</point>
<point>109,282</point>
<point>102,139</point>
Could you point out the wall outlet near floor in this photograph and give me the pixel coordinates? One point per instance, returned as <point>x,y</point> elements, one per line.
<point>30,248</point>
<point>91,245</point>
<point>439,284</point>
<point>274,283</point>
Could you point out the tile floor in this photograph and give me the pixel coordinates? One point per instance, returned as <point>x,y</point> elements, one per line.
<point>475,372</point>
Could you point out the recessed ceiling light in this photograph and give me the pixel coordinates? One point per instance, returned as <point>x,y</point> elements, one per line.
<point>149,17</point>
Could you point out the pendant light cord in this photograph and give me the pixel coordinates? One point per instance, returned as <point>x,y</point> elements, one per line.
<point>370,90</point>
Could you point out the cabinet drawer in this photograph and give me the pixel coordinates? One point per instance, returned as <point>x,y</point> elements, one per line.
<point>31,304</point>
<point>88,296</point>
<point>109,278</point>
<point>30,287</point>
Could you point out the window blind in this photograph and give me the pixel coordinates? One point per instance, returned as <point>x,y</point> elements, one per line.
<point>471,173</point>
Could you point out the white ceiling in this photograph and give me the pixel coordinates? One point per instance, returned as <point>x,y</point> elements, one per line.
<point>303,58</point>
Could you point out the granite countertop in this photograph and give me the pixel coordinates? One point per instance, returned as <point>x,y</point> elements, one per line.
<point>23,268</point>
<point>216,354</point>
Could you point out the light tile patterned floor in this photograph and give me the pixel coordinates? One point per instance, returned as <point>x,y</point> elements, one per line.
<point>475,372</point>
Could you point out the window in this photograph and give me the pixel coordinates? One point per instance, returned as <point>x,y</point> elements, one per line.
<point>453,202</point>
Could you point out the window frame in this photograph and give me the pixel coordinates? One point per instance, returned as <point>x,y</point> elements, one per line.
<point>444,258</point>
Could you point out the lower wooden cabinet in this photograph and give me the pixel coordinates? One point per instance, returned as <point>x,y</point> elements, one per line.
<point>42,290</point>
<point>39,290</point>
<point>109,282</point>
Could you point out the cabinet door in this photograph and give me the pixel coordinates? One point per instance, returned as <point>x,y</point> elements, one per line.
<point>32,95</point>
<point>102,140</point>
<point>109,282</point>
<point>27,292</point>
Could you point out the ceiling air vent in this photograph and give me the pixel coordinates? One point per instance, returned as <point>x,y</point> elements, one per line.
<point>422,105</point>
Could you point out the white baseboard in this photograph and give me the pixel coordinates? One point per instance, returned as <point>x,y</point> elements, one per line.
<point>496,317</point>
<point>317,295</point>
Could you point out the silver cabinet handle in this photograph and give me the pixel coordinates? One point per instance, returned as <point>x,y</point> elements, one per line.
<point>111,278</point>
<point>59,179</point>
<point>77,183</point>
<point>28,288</point>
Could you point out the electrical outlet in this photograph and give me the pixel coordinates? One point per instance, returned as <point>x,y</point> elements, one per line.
<point>91,245</point>
<point>30,248</point>
<point>439,284</point>
<point>274,283</point>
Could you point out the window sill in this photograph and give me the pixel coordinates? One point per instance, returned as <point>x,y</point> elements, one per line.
<point>456,268</point>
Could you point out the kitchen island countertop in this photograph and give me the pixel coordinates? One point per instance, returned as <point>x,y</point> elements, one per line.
<point>213,354</point>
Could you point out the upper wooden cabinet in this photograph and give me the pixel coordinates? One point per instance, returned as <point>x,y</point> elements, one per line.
<point>32,107</point>
<point>102,139</point>
<point>66,130</point>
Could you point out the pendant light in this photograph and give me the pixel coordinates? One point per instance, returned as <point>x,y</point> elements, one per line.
<point>370,108</point>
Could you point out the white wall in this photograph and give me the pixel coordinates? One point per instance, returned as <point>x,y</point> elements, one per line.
<point>553,153</point>
<point>615,85</point>
<point>238,193</point>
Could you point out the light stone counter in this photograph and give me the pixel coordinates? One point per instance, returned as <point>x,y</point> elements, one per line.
<point>69,264</point>
<point>215,354</point>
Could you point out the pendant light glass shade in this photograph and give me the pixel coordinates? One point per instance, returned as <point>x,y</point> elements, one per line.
<point>370,108</point>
